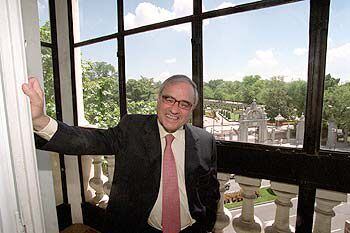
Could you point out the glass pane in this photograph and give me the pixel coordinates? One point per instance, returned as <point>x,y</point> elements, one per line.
<point>336,103</point>
<point>44,20</point>
<point>151,58</point>
<point>139,13</point>
<point>99,75</point>
<point>255,75</point>
<point>49,89</point>
<point>220,4</point>
<point>94,19</point>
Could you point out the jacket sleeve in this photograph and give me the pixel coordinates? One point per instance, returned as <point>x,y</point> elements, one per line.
<point>74,140</point>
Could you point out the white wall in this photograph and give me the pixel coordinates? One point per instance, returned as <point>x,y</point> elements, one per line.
<point>34,68</point>
<point>20,198</point>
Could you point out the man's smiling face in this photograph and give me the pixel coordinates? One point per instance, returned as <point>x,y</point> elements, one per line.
<point>174,115</point>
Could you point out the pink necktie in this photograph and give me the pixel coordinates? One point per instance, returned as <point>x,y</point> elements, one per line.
<point>170,199</point>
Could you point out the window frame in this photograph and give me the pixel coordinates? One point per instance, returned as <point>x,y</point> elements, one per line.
<point>291,165</point>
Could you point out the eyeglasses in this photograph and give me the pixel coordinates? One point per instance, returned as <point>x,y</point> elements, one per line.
<point>183,104</point>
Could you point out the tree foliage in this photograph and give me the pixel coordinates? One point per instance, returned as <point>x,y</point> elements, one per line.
<point>275,98</point>
<point>336,102</point>
<point>101,100</point>
<point>46,57</point>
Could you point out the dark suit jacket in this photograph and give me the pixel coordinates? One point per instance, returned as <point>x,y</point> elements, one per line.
<point>136,143</point>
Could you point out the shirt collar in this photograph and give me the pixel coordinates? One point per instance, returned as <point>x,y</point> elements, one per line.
<point>177,134</point>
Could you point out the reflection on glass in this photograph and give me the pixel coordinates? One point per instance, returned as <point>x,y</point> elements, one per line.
<point>139,13</point>
<point>44,20</point>
<point>49,89</point>
<point>94,18</point>
<point>151,58</point>
<point>98,77</point>
<point>255,75</point>
<point>336,101</point>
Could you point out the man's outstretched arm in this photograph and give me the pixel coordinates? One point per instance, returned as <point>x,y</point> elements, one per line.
<point>59,137</point>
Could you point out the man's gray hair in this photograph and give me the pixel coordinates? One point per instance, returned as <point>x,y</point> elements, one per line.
<point>180,78</point>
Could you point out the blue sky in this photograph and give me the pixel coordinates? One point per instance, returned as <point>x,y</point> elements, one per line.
<point>268,42</point>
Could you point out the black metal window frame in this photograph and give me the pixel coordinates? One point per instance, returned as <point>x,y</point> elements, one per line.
<point>309,167</point>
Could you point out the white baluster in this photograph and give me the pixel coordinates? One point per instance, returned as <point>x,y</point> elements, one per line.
<point>96,182</point>
<point>108,184</point>
<point>325,202</point>
<point>245,223</point>
<point>285,193</point>
<point>223,215</point>
<point>110,166</point>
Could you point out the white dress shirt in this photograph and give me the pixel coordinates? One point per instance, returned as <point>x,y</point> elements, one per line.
<point>178,147</point>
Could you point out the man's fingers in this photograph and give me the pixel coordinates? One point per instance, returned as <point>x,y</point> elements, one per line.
<point>31,93</point>
<point>26,89</point>
<point>34,83</point>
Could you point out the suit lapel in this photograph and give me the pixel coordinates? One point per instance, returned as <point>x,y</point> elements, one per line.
<point>191,156</point>
<point>152,144</point>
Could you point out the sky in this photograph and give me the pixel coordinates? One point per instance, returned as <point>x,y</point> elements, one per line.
<point>267,42</point>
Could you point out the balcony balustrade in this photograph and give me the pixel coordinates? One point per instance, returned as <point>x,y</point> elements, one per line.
<point>101,176</point>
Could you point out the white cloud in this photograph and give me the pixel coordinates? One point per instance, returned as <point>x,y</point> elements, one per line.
<point>183,7</point>
<point>338,60</point>
<point>183,28</point>
<point>42,5</point>
<point>300,51</point>
<point>267,65</point>
<point>339,53</point>
<point>170,60</point>
<point>162,76</point>
<point>224,5</point>
<point>43,8</point>
<point>148,13</point>
<point>263,58</point>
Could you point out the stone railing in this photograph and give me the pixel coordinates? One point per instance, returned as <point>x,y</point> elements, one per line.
<point>99,186</point>
<point>100,177</point>
<point>245,221</point>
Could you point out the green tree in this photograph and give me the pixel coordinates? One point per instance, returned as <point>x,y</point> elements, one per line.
<point>208,92</point>
<point>296,91</point>
<point>101,100</point>
<point>46,57</point>
<point>229,90</point>
<point>144,89</point>
<point>250,89</point>
<point>142,107</point>
<point>275,98</point>
<point>97,69</point>
<point>45,32</point>
<point>330,82</point>
<point>336,105</point>
<point>213,84</point>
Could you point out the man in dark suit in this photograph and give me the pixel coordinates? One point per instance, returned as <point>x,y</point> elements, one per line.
<point>165,169</point>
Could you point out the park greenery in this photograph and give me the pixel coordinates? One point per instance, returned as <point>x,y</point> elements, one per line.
<point>264,195</point>
<point>101,93</point>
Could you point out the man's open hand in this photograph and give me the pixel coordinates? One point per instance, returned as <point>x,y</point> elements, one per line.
<point>36,95</point>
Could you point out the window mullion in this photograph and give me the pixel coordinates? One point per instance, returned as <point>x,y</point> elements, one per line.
<point>197,60</point>
<point>121,59</point>
<point>319,17</point>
